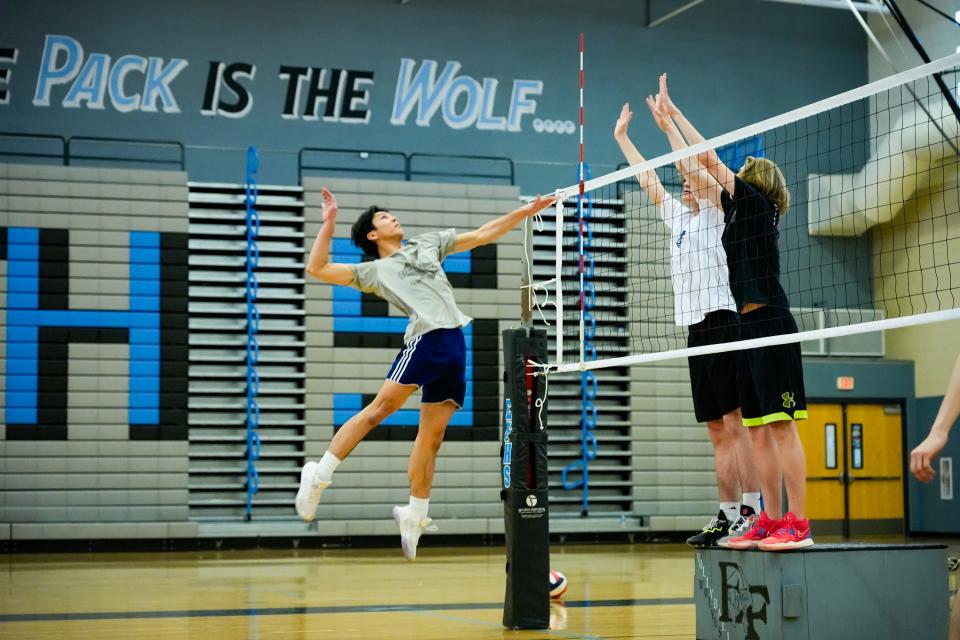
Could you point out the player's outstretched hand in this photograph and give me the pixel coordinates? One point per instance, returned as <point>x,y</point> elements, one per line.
<point>667,104</point>
<point>538,204</point>
<point>620,130</point>
<point>329,211</point>
<point>659,114</point>
<point>925,453</point>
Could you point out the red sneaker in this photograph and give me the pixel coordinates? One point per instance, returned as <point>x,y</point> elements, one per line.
<point>793,534</point>
<point>762,528</point>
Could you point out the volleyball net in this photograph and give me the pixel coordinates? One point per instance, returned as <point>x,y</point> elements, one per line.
<point>870,241</point>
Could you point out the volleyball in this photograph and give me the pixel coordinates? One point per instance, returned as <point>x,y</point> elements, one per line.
<point>558,584</point>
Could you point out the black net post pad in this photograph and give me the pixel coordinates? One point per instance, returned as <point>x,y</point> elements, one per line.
<point>523,481</point>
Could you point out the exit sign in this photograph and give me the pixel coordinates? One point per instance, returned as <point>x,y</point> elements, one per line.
<point>845,383</point>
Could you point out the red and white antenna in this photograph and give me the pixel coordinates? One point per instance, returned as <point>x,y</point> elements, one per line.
<point>582,173</point>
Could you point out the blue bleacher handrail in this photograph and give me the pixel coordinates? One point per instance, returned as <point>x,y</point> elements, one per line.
<point>62,155</point>
<point>362,154</point>
<point>70,156</point>
<point>253,327</point>
<point>510,174</point>
<point>408,171</point>
<point>404,168</point>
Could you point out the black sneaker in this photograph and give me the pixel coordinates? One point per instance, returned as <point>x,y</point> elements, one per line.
<point>715,529</point>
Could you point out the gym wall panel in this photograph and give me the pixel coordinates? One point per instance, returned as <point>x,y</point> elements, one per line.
<point>92,396</point>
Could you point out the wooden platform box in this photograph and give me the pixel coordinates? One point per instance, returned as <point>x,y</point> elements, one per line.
<point>842,591</point>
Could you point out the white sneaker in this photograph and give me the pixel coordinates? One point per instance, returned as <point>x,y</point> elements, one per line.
<point>308,497</point>
<point>738,528</point>
<point>410,530</point>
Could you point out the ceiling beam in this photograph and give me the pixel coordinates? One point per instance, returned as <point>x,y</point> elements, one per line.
<point>652,22</point>
<point>866,7</point>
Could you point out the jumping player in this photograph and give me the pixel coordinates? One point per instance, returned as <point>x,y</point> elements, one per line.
<point>410,276</point>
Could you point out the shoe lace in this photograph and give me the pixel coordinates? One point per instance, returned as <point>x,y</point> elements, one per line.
<point>713,524</point>
<point>742,525</point>
<point>427,525</point>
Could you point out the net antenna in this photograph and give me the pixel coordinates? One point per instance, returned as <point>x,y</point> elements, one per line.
<point>582,176</point>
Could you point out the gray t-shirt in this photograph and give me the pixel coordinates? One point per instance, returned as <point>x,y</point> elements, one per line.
<point>413,280</point>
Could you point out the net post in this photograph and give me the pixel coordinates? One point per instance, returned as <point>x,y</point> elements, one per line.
<point>524,481</point>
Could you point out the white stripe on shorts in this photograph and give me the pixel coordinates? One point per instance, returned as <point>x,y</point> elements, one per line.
<point>405,360</point>
<point>391,375</point>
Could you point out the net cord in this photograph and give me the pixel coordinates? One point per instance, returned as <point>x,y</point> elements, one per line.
<point>769,341</point>
<point>859,93</point>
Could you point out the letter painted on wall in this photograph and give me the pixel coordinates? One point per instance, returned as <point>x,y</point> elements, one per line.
<point>41,326</point>
<point>333,95</point>
<point>89,80</point>
<point>8,58</point>
<point>227,76</point>
<point>462,100</point>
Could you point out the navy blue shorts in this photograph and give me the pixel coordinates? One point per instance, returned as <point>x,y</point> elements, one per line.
<point>436,362</point>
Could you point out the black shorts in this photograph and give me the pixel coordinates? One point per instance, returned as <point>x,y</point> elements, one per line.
<point>713,378</point>
<point>770,378</point>
<point>435,361</point>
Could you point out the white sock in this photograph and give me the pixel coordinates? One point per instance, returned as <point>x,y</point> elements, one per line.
<point>418,507</point>
<point>730,509</point>
<point>327,465</point>
<point>752,500</point>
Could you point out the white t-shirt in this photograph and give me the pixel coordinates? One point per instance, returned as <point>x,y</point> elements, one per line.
<point>413,280</point>
<point>698,262</point>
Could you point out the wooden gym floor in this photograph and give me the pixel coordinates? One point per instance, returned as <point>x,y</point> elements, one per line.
<point>616,591</point>
<point>638,591</point>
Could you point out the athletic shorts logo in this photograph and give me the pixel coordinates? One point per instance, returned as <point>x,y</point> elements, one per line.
<point>788,401</point>
<point>531,500</point>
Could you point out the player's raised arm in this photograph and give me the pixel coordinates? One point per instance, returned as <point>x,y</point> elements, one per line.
<point>318,264</point>
<point>708,159</point>
<point>701,182</point>
<point>498,227</point>
<point>648,180</point>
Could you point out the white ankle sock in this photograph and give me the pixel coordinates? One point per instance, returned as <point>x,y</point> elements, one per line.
<point>418,507</point>
<point>752,500</point>
<point>327,465</point>
<point>730,509</point>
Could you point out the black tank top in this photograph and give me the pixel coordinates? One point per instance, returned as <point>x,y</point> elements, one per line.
<point>751,238</point>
